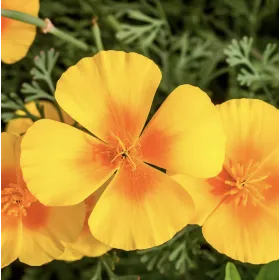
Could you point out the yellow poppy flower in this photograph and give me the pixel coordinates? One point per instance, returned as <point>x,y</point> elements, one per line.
<point>110,95</point>
<point>20,125</point>
<point>86,244</point>
<point>239,208</point>
<point>16,36</point>
<point>31,231</point>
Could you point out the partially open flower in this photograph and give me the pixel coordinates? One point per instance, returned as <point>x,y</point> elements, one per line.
<point>239,208</point>
<point>31,231</point>
<point>16,36</point>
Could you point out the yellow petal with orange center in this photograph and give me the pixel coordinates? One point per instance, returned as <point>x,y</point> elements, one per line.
<point>16,36</point>
<point>63,165</point>
<point>185,135</point>
<point>111,92</point>
<point>140,208</point>
<point>46,229</point>
<point>11,239</point>
<point>20,125</point>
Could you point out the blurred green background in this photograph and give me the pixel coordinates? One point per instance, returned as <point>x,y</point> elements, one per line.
<point>227,48</point>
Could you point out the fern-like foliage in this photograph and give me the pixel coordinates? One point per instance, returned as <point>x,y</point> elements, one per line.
<point>258,72</point>
<point>13,104</point>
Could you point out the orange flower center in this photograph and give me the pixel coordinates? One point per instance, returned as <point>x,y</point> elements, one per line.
<point>125,152</point>
<point>244,182</point>
<point>15,200</point>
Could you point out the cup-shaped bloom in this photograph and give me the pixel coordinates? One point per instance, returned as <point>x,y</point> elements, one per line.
<point>20,125</point>
<point>110,94</point>
<point>31,231</point>
<point>17,36</point>
<point>238,209</point>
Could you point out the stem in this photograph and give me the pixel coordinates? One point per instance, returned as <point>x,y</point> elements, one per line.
<point>68,38</point>
<point>49,82</point>
<point>59,110</point>
<point>19,16</point>
<point>23,17</point>
<point>97,35</point>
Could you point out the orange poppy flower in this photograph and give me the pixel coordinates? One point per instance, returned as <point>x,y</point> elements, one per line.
<point>31,231</point>
<point>110,95</point>
<point>239,208</point>
<point>86,244</point>
<point>20,125</point>
<point>16,36</point>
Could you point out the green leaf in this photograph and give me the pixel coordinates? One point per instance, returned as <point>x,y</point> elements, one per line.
<point>232,272</point>
<point>269,271</point>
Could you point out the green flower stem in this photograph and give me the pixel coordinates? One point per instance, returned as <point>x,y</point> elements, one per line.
<point>46,26</point>
<point>97,35</point>
<point>68,38</point>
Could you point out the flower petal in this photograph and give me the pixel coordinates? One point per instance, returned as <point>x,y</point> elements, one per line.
<point>140,209</point>
<point>30,7</point>
<point>20,125</point>
<point>62,165</point>
<point>109,92</point>
<point>185,135</point>
<point>85,245</point>
<point>11,229</point>
<point>8,159</point>
<point>45,229</point>
<point>248,234</point>
<point>200,191</point>
<point>252,129</point>
<point>16,36</point>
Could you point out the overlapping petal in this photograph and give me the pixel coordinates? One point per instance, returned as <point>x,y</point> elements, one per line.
<point>110,92</point>
<point>200,190</point>
<point>185,135</point>
<point>85,245</point>
<point>64,165</point>
<point>11,239</point>
<point>46,229</point>
<point>140,209</point>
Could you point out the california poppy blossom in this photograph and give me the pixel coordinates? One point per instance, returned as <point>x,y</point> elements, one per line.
<point>110,94</point>
<point>239,208</point>
<point>16,36</point>
<point>31,231</point>
<point>86,244</point>
<point>20,125</point>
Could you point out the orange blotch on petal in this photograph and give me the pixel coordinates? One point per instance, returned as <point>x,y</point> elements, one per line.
<point>154,144</point>
<point>37,216</point>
